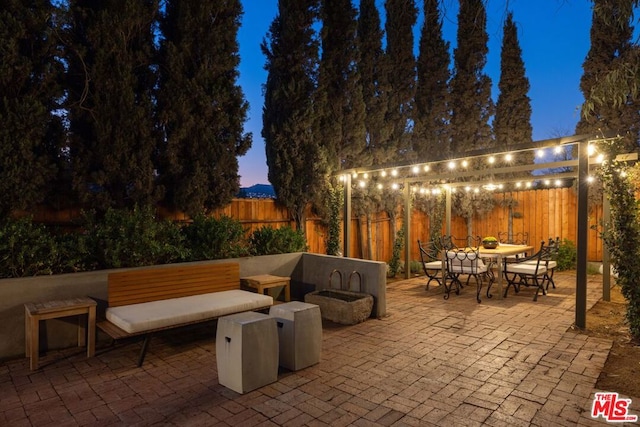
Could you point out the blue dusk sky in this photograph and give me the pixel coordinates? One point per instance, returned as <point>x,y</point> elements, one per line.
<point>553,35</point>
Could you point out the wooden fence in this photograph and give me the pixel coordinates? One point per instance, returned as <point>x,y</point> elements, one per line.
<point>540,213</point>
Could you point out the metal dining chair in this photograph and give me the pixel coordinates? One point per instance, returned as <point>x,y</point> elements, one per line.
<point>431,262</point>
<point>465,260</point>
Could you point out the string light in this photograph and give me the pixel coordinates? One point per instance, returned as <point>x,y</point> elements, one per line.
<point>491,160</point>
<point>452,165</point>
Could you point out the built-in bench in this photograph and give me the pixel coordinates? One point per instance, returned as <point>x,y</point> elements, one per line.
<point>144,301</point>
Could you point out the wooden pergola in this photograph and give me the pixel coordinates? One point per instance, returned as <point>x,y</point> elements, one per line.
<point>494,169</point>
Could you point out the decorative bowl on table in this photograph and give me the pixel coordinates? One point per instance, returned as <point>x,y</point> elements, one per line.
<point>490,243</point>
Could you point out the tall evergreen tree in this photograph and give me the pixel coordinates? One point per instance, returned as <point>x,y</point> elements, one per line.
<point>471,102</point>
<point>294,157</point>
<point>401,17</point>
<point>339,103</point>
<point>432,114</point>
<point>110,79</point>
<point>30,132</point>
<point>201,107</point>
<point>512,123</point>
<point>611,34</point>
<point>374,75</point>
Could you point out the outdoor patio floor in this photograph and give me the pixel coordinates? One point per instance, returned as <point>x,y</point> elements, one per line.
<point>504,362</point>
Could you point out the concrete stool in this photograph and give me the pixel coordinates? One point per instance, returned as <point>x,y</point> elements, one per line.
<point>247,351</point>
<point>299,334</point>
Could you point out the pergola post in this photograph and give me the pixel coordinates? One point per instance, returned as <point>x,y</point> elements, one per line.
<point>582,233</point>
<point>448,211</point>
<point>407,230</point>
<point>606,261</point>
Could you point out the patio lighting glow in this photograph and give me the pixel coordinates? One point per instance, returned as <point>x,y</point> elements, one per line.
<point>490,187</point>
<point>452,165</point>
<point>518,184</point>
<point>362,184</point>
<point>365,176</point>
<point>415,169</point>
<point>558,183</point>
<point>467,188</point>
<point>491,160</point>
<point>426,168</point>
<point>558,149</point>
<point>590,179</point>
<point>540,153</point>
<point>508,157</point>
<point>623,174</point>
<point>394,172</point>
<point>591,150</point>
<point>600,158</point>
<point>476,190</point>
<point>435,191</point>
<point>379,186</point>
<point>383,174</point>
<point>529,185</point>
<point>465,163</point>
<point>355,175</point>
<point>341,178</point>
<point>547,182</point>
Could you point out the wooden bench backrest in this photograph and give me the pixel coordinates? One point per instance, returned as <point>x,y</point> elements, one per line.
<point>152,284</point>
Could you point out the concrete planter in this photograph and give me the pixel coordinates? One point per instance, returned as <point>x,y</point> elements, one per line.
<point>343,307</point>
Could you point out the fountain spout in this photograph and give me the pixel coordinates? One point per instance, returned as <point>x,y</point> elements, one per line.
<point>331,277</point>
<point>359,280</point>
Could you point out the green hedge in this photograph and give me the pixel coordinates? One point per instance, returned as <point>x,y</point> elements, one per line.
<point>122,238</point>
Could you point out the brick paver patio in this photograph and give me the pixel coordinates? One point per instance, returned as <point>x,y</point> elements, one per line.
<point>508,362</point>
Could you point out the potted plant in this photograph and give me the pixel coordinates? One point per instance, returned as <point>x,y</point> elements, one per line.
<point>490,242</point>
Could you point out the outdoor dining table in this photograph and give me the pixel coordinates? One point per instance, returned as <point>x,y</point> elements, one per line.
<point>498,254</point>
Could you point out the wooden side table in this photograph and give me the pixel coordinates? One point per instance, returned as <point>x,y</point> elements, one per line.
<point>37,311</point>
<point>266,281</point>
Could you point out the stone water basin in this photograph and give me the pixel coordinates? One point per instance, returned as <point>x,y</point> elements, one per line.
<point>343,307</point>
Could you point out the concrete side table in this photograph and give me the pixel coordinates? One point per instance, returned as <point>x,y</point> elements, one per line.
<point>266,281</point>
<point>247,351</point>
<point>299,334</point>
<point>34,312</point>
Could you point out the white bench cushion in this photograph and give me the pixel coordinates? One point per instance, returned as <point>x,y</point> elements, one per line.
<point>151,315</point>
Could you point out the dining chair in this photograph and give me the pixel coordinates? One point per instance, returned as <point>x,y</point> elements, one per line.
<point>465,260</point>
<point>529,271</point>
<point>431,261</point>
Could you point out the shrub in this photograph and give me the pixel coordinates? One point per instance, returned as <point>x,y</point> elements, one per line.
<point>269,241</point>
<point>567,255</point>
<point>26,249</point>
<point>215,238</point>
<point>131,238</point>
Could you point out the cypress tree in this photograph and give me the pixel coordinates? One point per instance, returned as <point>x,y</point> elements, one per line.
<point>432,113</point>
<point>340,106</point>
<point>611,34</point>
<point>471,102</point>
<point>294,157</point>
<point>30,131</point>
<point>372,66</point>
<point>512,123</point>
<point>401,17</point>
<point>201,107</point>
<point>110,79</point>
